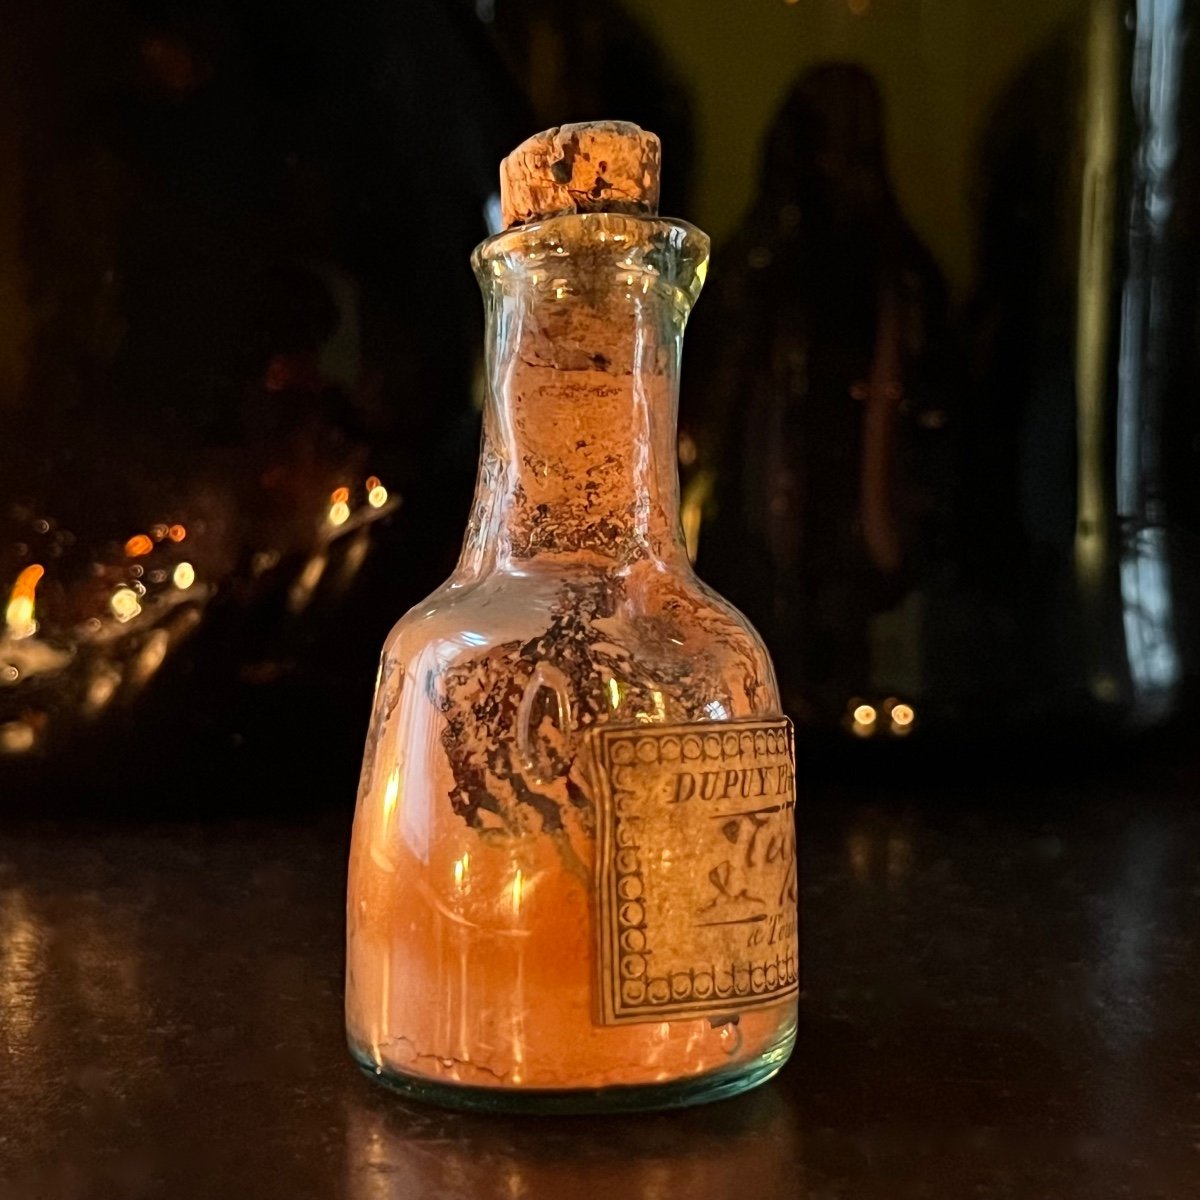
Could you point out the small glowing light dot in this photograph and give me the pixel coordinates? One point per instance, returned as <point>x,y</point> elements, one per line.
<point>377,496</point>
<point>902,714</point>
<point>518,887</point>
<point>177,533</point>
<point>158,532</point>
<point>373,481</point>
<point>184,576</point>
<point>124,604</point>
<point>138,545</point>
<point>339,511</point>
<point>864,714</point>
<point>340,495</point>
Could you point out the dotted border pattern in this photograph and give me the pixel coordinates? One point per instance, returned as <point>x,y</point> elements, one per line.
<point>628,995</point>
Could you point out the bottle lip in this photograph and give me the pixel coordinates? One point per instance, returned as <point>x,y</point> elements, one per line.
<point>678,244</point>
<point>670,256</point>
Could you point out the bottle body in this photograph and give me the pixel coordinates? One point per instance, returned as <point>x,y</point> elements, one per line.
<point>564,887</point>
<point>472,932</point>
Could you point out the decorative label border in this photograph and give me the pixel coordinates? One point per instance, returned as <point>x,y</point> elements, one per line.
<point>628,989</point>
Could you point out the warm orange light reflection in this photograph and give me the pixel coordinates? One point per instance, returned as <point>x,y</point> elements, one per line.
<point>177,533</point>
<point>101,690</point>
<point>152,654</point>
<point>16,737</point>
<point>858,846</point>
<point>461,866</point>
<point>19,614</point>
<point>373,481</point>
<point>391,793</point>
<point>139,545</point>
<point>864,714</point>
<point>301,592</point>
<point>340,496</point>
<point>902,714</point>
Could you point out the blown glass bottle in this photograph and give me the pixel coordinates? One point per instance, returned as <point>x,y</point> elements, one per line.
<point>573,877</point>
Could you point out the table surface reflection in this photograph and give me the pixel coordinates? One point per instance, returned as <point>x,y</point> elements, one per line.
<point>1004,1001</point>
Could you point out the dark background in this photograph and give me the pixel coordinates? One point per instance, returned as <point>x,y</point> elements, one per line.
<point>939,439</point>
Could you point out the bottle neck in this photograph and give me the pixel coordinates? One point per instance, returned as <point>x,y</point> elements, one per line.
<point>578,464</point>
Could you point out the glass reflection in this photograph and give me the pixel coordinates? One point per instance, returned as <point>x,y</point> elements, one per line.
<point>1149,622</point>
<point>752,1147</point>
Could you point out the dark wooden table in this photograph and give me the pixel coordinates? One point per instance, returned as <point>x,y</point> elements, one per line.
<point>1004,1001</point>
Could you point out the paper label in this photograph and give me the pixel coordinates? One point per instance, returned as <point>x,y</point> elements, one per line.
<point>696,868</point>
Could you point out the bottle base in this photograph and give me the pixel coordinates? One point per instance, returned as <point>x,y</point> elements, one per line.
<point>678,1093</point>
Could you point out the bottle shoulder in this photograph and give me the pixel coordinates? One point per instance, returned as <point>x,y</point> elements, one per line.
<point>631,634</point>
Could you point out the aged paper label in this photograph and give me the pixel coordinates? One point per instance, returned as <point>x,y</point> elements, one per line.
<point>696,868</point>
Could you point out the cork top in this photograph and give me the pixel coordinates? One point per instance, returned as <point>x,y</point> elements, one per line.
<point>595,166</point>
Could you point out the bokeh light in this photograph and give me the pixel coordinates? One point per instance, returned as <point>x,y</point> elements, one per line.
<point>18,616</point>
<point>124,604</point>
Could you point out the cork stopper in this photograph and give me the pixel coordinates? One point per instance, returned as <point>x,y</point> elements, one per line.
<point>595,166</point>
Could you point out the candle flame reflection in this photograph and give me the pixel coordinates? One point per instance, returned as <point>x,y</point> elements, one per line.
<point>19,614</point>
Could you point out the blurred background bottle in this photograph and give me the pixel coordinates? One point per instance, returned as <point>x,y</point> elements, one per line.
<point>940,438</point>
<point>943,438</point>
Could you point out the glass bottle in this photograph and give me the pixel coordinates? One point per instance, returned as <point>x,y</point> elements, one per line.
<point>572,877</point>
